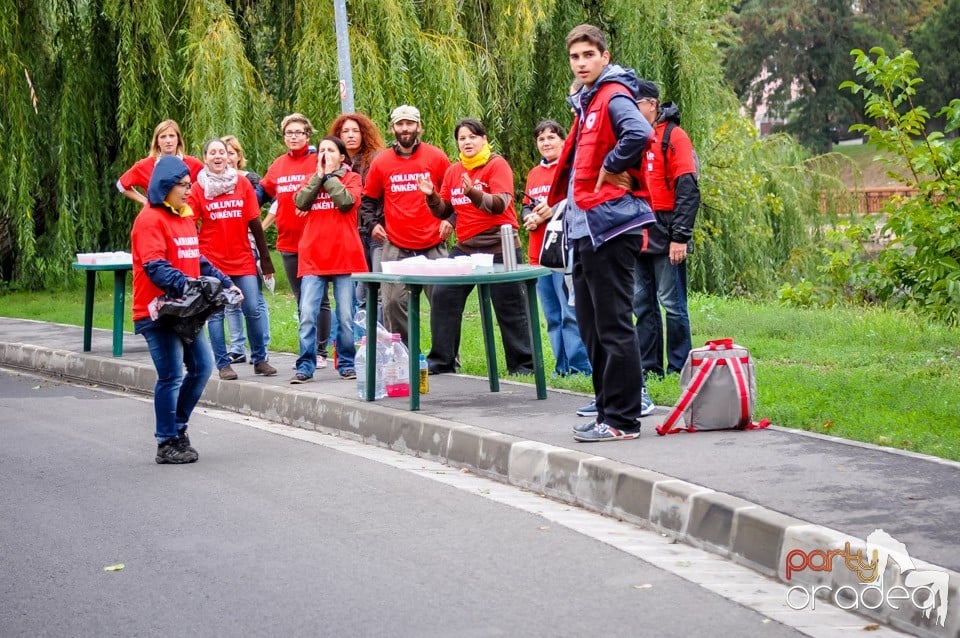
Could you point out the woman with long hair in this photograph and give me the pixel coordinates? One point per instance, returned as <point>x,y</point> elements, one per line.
<point>330,251</point>
<point>226,207</point>
<point>479,190</point>
<point>167,140</point>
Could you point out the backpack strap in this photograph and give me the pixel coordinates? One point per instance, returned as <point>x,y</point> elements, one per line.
<point>664,145</point>
<point>740,378</point>
<point>689,394</point>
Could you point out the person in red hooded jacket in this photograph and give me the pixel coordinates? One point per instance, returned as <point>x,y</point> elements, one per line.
<point>604,220</point>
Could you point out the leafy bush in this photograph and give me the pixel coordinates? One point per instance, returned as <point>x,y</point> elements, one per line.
<point>920,267</point>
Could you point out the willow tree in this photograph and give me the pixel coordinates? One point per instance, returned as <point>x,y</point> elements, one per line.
<point>104,72</point>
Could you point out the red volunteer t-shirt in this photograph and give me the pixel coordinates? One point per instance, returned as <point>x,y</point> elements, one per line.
<point>679,162</point>
<point>494,177</point>
<point>159,233</point>
<point>330,244</point>
<point>223,223</point>
<point>282,180</point>
<point>139,174</point>
<point>409,223</point>
<point>538,187</point>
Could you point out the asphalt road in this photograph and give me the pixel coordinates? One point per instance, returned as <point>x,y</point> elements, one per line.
<point>272,536</point>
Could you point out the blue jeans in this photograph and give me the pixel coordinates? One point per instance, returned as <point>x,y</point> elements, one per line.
<point>175,394</point>
<point>312,290</point>
<point>660,283</point>
<point>234,317</point>
<point>249,285</point>
<point>562,329</point>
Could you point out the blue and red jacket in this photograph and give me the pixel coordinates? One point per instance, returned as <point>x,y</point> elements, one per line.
<point>614,143</point>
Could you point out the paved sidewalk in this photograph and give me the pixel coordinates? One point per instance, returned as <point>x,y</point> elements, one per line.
<point>753,496</point>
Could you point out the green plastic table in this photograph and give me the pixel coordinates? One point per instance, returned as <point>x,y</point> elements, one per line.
<point>526,274</point>
<point>119,290</point>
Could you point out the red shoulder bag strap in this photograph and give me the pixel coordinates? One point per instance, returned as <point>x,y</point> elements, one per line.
<point>689,394</point>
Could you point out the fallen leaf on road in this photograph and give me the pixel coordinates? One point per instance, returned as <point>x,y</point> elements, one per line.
<point>765,621</point>
<point>464,470</point>
<point>871,628</point>
<point>36,387</point>
<point>114,568</point>
<point>682,563</point>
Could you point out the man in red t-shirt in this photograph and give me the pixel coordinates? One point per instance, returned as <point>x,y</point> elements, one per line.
<point>394,212</point>
<point>671,177</point>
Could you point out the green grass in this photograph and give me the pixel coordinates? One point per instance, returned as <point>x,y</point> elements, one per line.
<point>877,376</point>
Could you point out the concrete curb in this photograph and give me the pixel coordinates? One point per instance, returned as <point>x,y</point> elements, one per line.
<point>744,532</point>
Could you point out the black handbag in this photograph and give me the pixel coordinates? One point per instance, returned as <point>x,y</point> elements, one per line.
<point>186,314</point>
<point>553,251</point>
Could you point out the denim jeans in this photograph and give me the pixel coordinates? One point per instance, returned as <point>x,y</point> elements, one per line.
<point>660,283</point>
<point>175,394</point>
<point>291,265</point>
<point>312,289</point>
<point>234,316</point>
<point>562,329</point>
<point>249,285</point>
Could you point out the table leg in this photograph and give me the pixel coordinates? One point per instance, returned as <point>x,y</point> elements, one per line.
<point>534,318</point>
<point>88,309</point>
<point>119,289</point>
<point>486,320</point>
<point>372,288</point>
<point>413,334</point>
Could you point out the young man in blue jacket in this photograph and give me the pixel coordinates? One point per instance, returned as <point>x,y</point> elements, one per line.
<point>599,175</point>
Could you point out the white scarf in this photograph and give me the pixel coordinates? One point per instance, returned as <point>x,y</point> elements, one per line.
<point>215,185</point>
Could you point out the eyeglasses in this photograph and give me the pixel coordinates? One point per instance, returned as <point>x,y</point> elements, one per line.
<point>294,133</point>
<point>186,185</point>
<point>646,99</point>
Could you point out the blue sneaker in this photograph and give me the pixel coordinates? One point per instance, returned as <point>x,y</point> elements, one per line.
<point>647,405</point>
<point>589,410</point>
<point>604,432</point>
<point>580,428</point>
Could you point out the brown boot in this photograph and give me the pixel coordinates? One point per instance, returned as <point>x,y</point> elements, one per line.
<point>264,368</point>
<point>227,374</point>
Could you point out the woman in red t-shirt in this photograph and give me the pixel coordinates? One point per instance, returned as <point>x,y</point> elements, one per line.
<point>554,293</point>
<point>226,207</point>
<point>167,140</point>
<point>478,190</point>
<point>330,250</point>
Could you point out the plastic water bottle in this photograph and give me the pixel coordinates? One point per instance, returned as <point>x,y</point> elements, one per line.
<point>424,375</point>
<point>397,368</point>
<point>360,365</point>
<point>380,390</point>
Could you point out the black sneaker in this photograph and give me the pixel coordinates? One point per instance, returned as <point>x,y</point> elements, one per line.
<point>175,452</point>
<point>185,441</point>
<point>237,357</point>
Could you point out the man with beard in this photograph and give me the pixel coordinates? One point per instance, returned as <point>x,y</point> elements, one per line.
<point>394,211</point>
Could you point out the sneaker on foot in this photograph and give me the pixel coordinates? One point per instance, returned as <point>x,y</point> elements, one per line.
<point>236,357</point>
<point>264,368</point>
<point>589,410</point>
<point>174,451</point>
<point>321,362</point>
<point>227,373</point>
<point>647,405</point>
<point>299,378</point>
<point>185,440</point>
<point>583,426</point>
<point>604,432</point>
<point>348,373</point>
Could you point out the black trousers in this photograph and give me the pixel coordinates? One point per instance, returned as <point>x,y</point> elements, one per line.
<point>291,263</point>
<point>603,285</point>
<point>510,307</point>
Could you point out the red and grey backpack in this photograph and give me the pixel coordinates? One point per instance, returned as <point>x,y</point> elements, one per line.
<point>719,391</point>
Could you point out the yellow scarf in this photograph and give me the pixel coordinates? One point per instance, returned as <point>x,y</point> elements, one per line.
<point>185,211</point>
<point>478,160</point>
